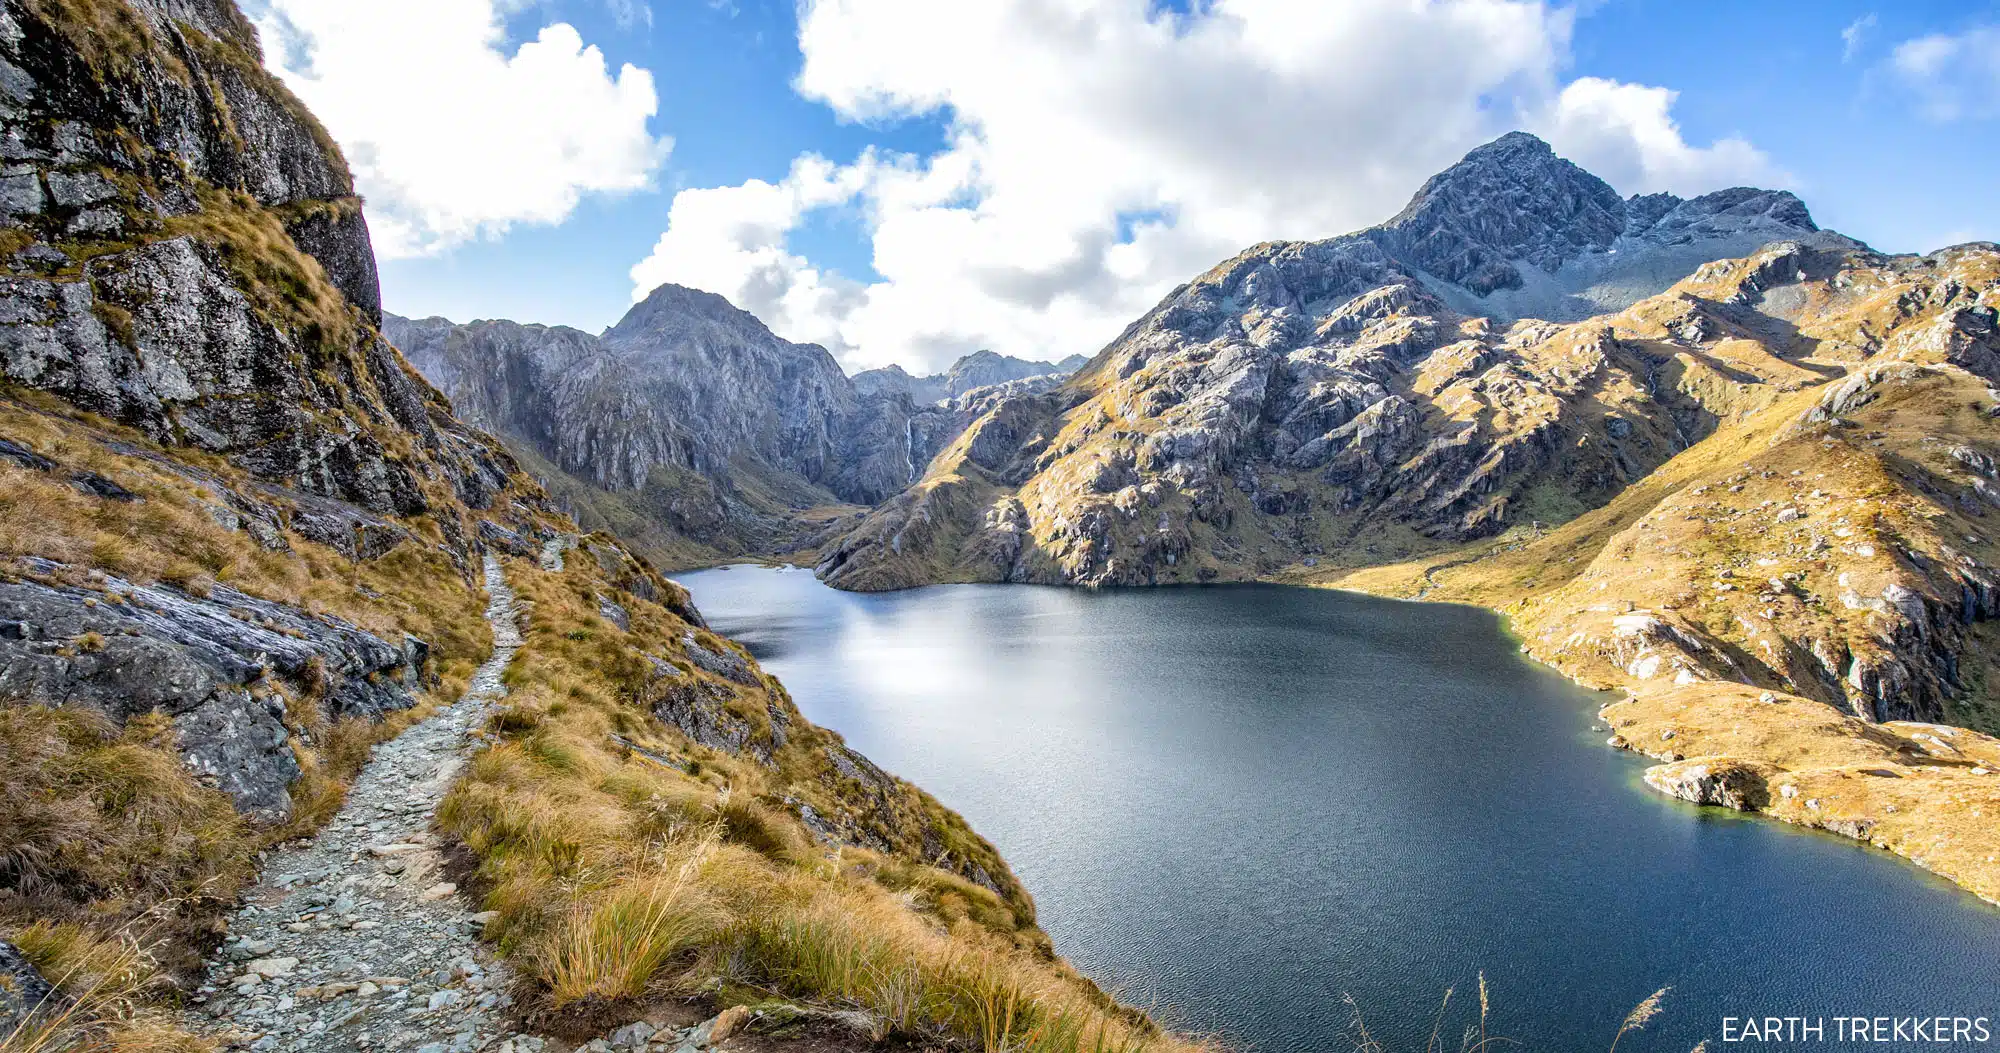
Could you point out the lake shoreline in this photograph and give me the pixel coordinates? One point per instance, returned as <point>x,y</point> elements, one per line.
<point>1109,876</point>
<point>1639,728</point>
<point>1724,777</point>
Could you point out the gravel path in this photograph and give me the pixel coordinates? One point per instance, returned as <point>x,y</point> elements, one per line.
<point>353,941</point>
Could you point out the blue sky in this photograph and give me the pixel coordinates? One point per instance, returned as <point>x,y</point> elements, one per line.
<point>909,181</point>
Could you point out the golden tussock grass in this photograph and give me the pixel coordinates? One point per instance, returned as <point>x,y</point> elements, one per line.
<point>89,814</point>
<point>1768,539</point>
<point>1475,1035</point>
<point>109,35</point>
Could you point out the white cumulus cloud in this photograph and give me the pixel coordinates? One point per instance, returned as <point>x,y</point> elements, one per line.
<point>1626,134</point>
<point>1102,151</point>
<point>1953,77</point>
<point>733,238</point>
<point>451,135</point>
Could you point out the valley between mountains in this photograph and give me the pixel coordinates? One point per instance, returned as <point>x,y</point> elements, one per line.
<point>1701,452</point>
<point>1740,469</point>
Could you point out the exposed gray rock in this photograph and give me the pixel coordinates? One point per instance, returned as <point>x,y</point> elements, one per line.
<point>687,395</point>
<point>232,343</point>
<point>24,993</point>
<point>700,710</point>
<point>721,661</point>
<point>613,612</point>
<point>1514,231</point>
<point>1712,780</point>
<point>221,666</point>
<point>1385,375</point>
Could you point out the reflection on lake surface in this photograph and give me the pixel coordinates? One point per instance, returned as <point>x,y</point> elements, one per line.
<point>1239,803</point>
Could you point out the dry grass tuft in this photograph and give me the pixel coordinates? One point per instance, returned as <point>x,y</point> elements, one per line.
<point>107,987</point>
<point>110,36</point>
<point>1636,1020</point>
<point>92,815</point>
<point>1476,1037</point>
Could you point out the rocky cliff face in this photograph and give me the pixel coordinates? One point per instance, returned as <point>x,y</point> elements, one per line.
<point>182,254</point>
<point>242,540</point>
<point>207,662</point>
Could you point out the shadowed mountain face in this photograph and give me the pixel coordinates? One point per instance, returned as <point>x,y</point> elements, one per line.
<point>691,426</point>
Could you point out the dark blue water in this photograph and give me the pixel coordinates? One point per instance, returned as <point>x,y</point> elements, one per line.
<point>1237,805</point>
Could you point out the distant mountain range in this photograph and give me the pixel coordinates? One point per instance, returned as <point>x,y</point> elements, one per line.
<point>979,369</point>
<point>693,429</point>
<point>1357,399</point>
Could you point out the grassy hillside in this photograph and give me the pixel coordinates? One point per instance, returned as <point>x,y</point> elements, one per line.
<point>1772,599</point>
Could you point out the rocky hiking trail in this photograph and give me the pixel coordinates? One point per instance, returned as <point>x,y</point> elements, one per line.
<point>353,941</point>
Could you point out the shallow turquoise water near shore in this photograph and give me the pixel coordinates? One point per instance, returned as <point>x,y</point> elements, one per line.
<point>1239,804</point>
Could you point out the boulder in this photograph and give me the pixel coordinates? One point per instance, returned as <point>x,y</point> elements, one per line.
<point>1722,781</point>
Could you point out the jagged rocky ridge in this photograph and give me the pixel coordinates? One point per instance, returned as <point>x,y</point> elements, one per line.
<point>1319,405</point>
<point>691,414</point>
<point>979,369</point>
<point>1513,231</point>
<point>1330,394</point>
<point>1732,464</point>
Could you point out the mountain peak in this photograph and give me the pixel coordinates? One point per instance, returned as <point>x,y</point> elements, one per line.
<point>673,313</point>
<point>1513,206</point>
<point>679,301</point>
<point>1514,142</point>
<point>1511,199</point>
